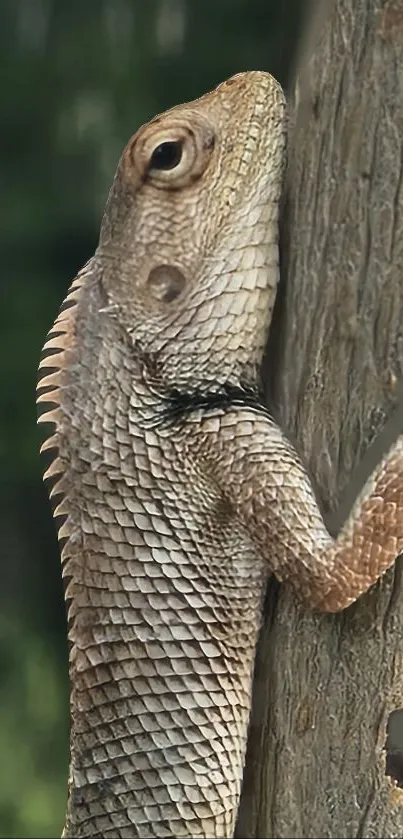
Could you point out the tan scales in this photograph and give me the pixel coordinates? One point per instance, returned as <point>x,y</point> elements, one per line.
<point>178,494</point>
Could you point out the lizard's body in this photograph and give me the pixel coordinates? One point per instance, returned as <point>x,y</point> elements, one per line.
<point>180,493</point>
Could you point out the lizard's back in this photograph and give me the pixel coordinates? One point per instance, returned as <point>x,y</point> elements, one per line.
<point>165,587</point>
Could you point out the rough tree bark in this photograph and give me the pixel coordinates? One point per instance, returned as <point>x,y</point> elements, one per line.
<point>326,685</point>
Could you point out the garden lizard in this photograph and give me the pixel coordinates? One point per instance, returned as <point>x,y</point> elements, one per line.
<point>177,494</point>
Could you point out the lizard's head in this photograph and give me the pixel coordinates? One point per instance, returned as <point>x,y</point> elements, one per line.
<point>188,245</point>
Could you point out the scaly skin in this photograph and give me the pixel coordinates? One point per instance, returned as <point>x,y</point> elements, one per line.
<point>178,494</point>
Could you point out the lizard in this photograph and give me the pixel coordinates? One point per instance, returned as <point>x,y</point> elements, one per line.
<point>176,493</point>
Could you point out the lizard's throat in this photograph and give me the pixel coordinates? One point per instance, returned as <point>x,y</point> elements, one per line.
<point>217,329</point>
<point>214,348</point>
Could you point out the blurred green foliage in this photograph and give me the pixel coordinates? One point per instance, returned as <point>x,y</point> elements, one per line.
<point>77,80</point>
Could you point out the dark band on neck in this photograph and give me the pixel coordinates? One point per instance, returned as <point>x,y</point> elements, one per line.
<point>178,404</point>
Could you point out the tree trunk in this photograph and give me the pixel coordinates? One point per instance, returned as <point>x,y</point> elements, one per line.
<point>326,685</point>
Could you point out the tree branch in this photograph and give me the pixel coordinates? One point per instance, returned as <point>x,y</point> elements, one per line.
<point>325,685</point>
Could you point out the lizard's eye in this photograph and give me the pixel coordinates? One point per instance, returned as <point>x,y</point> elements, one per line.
<point>172,153</point>
<point>166,156</point>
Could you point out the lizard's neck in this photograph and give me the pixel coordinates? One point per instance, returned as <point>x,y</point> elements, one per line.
<point>215,333</point>
<point>111,371</point>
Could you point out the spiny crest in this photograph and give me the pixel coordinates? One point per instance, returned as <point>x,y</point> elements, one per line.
<point>59,341</point>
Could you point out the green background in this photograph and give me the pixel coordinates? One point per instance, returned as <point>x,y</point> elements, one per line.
<point>77,79</point>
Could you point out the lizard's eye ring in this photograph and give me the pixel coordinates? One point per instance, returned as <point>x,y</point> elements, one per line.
<point>172,153</point>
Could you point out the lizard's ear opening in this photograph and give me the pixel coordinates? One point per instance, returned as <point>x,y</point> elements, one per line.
<point>165,283</point>
<point>172,153</point>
